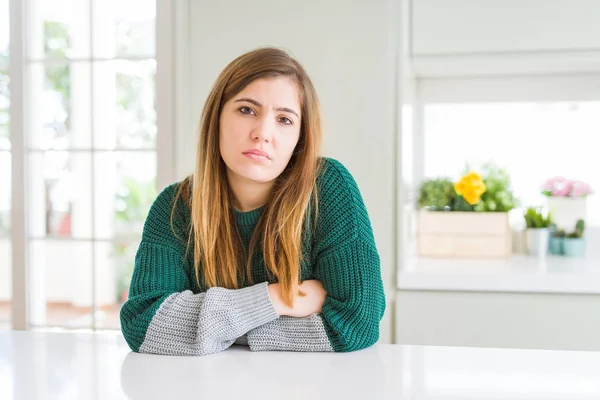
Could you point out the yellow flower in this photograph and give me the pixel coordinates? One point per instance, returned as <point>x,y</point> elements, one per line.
<point>470,187</point>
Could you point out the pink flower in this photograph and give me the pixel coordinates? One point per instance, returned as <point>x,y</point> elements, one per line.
<point>560,186</point>
<point>552,183</point>
<point>580,189</point>
<point>561,191</point>
<point>557,186</point>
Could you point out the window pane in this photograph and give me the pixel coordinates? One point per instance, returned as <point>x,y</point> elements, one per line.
<point>114,266</point>
<point>5,240</point>
<point>60,197</point>
<point>124,97</point>
<point>5,244</point>
<point>4,32</point>
<point>58,29</point>
<point>4,111</point>
<point>124,28</point>
<point>125,187</point>
<point>5,193</point>
<point>5,282</point>
<point>532,141</point>
<point>60,283</point>
<point>60,106</point>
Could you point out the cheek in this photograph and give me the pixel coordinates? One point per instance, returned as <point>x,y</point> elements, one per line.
<point>228,149</point>
<point>231,133</point>
<point>293,141</point>
<point>287,144</point>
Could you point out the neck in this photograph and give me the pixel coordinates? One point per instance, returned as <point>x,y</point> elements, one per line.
<point>248,195</point>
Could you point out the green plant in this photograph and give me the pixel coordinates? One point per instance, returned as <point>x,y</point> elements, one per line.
<point>460,204</point>
<point>560,233</point>
<point>437,194</point>
<point>440,194</point>
<point>535,219</point>
<point>132,203</point>
<point>578,232</point>
<point>133,200</point>
<point>58,78</point>
<point>498,196</point>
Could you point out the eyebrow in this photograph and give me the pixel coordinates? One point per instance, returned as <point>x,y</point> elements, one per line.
<point>257,104</point>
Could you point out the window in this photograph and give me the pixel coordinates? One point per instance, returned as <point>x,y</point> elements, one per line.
<point>5,173</point>
<point>533,141</point>
<point>91,152</point>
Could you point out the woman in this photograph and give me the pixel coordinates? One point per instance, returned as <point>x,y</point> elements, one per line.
<point>266,244</point>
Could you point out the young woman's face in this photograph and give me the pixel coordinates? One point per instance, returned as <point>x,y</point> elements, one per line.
<point>260,127</point>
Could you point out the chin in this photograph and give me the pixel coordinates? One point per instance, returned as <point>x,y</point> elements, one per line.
<point>255,173</point>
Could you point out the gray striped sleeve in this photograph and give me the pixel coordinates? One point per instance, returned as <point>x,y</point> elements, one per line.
<point>291,334</point>
<point>205,323</point>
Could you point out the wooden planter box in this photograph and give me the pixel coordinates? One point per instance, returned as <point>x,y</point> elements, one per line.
<point>464,234</point>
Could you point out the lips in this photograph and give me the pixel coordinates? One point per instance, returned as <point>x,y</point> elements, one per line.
<point>258,153</point>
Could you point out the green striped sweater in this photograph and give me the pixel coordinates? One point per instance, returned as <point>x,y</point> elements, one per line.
<point>167,313</point>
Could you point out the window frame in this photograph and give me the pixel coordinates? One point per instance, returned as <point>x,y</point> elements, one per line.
<point>19,132</point>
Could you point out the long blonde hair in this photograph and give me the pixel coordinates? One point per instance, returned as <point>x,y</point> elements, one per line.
<point>219,254</point>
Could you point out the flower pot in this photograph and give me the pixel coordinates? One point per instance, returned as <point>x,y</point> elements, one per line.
<point>464,234</point>
<point>537,241</point>
<point>574,247</point>
<point>556,245</point>
<point>567,210</point>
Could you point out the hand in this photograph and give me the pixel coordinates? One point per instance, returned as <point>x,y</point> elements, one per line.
<point>303,306</point>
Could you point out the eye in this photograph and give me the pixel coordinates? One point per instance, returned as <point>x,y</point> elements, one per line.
<point>246,111</point>
<point>285,121</point>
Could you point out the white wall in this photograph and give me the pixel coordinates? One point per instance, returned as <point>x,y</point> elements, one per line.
<point>490,37</point>
<point>510,320</point>
<point>350,50</point>
<point>446,27</point>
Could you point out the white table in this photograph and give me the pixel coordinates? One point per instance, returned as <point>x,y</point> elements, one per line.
<point>41,365</point>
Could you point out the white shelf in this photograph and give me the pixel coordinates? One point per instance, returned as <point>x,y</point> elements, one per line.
<point>520,273</point>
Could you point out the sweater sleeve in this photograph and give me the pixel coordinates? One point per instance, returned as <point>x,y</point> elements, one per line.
<point>163,316</point>
<point>347,263</point>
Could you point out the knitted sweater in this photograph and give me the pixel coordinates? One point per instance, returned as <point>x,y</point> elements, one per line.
<point>167,313</point>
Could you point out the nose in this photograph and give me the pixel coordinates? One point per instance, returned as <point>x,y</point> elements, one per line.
<point>263,130</point>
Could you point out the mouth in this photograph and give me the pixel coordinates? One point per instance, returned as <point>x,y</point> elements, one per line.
<point>257,154</point>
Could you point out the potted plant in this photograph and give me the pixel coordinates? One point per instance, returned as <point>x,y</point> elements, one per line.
<point>498,195</point>
<point>537,232</point>
<point>574,243</point>
<point>566,199</point>
<point>436,194</point>
<point>557,239</point>
<point>475,223</point>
